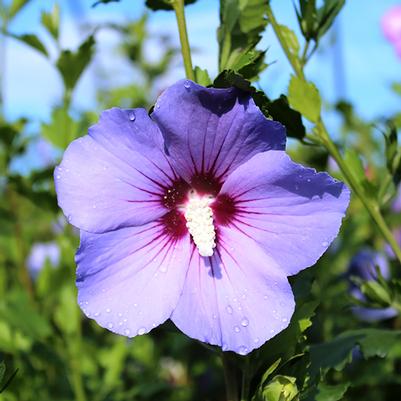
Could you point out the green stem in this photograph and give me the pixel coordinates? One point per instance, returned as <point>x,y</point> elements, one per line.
<point>178,6</point>
<point>304,57</point>
<point>230,378</point>
<point>372,208</point>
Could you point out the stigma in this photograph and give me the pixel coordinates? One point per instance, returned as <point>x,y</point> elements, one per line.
<point>199,217</point>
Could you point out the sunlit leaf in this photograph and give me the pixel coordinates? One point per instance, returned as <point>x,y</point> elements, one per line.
<point>72,64</point>
<point>304,97</point>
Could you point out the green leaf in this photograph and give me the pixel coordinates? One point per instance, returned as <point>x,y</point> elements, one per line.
<point>314,23</point>
<point>19,314</point>
<point>291,40</point>
<point>280,110</point>
<point>32,41</point>
<point>62,128</point>
<point>337,353</point>
<point>16,7</point>
<point>304,97</point>
<point>202,77</point>
<point>241,25</point>
<point>331,393</point>
<point>51,21</point>
<point>164,4</point>
<point>72,64</point>
<point>280,388</point>
<point>352,159</point>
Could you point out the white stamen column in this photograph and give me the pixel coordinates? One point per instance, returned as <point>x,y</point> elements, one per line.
<point>199,216</point>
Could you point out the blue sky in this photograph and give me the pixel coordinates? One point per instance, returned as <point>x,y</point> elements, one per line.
<point>370,65</point>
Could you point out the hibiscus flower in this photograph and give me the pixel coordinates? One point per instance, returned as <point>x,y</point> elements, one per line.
<point>195,214</point>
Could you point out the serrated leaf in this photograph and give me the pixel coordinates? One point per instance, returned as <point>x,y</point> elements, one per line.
<point>72,64</point>
<point>202,76</point>
<point>280,110</point>
<point>241,25</point>
<point>51,21</point>
<point>304,97</point>
<point>33,41</point>
<point>164,4</point>
<point>291,39</point>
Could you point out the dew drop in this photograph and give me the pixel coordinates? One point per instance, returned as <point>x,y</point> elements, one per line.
<point>237,329</point>
<point>265,297</point>
<point>110,325</point>
<point>308,180</point>
<point>120,314</point>
<point>325,243</point>
<point>229,310</point>
<point>58,176</point>
<point>224,347</point>
<point>96,314</point>
<point>108,310</point>
<point>187,85</point>
<point>126,332</point>
<point>132,116</point>
<point>284,319</point>
<point>256,340</point>
<point>214,317</point>
<point>244,322</point>
<point>163,268</point>
<point>141,330</point>
<point>242,350</point>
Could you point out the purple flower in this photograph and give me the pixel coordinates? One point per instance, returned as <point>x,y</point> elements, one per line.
<point>195,214</point>
<point>363,265</point>
<point>40,253</point>
<point>391,26</point>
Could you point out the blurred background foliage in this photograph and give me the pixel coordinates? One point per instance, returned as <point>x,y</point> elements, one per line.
<point>50,352</point>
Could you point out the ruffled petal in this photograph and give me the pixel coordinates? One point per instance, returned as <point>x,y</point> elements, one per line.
<point>212,131</point>
<point>237,299</point>
<point>115,176</point>
<point>129,280</point>
<point>293,212</point>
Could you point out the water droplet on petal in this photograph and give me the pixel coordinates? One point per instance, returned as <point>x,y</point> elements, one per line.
<point>256,340</point>
<point>237,329</point>
<point>163,268</point>
<point>265,297</point>
<point>141,330</point>
<point>187,85</point>
<point>96,314</point>
<point>108,310</point>
<point>132,115</point>
<point>244,322</point>
<point>224,347</point>
<point>126,332</point>
<point>242,350</point>
<point>58,176</point>
<point>110,325</point>
<point>284,319</point>
<point>120,314</point>
<point>229,309</point>
<point>325,243</point>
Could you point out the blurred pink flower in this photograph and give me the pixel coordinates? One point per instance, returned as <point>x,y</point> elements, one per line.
<point>391,26</point>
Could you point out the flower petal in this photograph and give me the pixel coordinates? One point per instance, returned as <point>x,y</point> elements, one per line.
<point>210,130</point>
<point>115,176</point>
<point>129,280</point>
<point>236,299</point>
<point>293,212</point>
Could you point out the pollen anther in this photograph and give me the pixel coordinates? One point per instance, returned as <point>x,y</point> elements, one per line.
<point>199,217</point>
